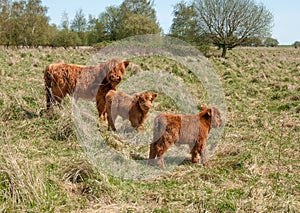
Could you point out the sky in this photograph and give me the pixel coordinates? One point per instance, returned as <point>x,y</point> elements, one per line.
<point>286,14</point>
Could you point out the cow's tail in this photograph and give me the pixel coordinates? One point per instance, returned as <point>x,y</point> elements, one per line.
<point>48,88</point>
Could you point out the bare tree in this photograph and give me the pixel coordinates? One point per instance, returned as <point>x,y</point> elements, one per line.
<point>231,22</point>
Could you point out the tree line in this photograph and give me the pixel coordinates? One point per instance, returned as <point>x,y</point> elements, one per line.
<point>224,23</point>
<point>25,23</point>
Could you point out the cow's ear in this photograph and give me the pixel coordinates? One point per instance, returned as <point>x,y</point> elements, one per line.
<point>203,108</point>
<point>140,96</point>
<point>126,63</point>
<point>208,111</point>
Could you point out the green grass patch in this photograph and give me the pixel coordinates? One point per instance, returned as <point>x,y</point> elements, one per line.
<point>254,169</point>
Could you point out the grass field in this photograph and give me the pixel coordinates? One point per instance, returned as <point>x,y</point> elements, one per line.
<point>256,167</point>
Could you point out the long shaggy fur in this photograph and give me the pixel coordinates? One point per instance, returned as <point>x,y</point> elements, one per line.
<point>88,82</point>
<point>183,129</point>
<point>136,109</point>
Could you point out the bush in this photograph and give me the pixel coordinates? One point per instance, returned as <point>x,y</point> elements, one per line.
<point>296,44</point>
<point>102,44</point>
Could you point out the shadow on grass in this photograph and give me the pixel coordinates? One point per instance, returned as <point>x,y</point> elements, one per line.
<point>171,160</point>
<point>28,114</point>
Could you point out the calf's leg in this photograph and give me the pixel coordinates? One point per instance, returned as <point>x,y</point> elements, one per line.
<point>152,153</point>
<point>202,152</point>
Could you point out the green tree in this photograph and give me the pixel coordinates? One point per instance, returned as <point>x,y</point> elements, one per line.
<point>252,42</point>
<point>5,22</point>
<point>137,17</point>
<point>132,17</point>
<point>231,22</point>
<point>16,32</point>
<point>296,44</point>
<point>111,19</point>
<point>65,37</point>
<point>95,30</point>
<point>141,7</point>
<point>52,33</point>
<point>65,23</point>
<point>23,23</point>
<point>35,23</point>
<point>137,24</point>
<point>79,25</point>
<point>184,25</point>
<point>271,42</point>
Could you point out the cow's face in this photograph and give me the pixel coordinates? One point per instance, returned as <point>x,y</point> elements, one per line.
<point>115,75</point>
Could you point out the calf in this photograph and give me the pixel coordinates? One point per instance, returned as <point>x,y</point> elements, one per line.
<point>183,129</point>
<point>135,109</point>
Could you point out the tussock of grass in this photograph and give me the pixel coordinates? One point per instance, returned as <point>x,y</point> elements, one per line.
<point>43,168</point>
<point>76,172</point>
<point>20,182</point>
<point>63,129</point>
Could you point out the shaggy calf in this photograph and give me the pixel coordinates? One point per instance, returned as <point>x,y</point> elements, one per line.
<point>183,129</point>
<point>135,109</point>
<point>88,82</point>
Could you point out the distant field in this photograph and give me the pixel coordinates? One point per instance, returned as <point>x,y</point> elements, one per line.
<point>256,167</point>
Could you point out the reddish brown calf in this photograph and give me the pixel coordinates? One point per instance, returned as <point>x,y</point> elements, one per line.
<point>183,129</point>
<point>136,109</point>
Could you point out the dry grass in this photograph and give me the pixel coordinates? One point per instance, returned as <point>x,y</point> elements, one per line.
<point>42,166</point>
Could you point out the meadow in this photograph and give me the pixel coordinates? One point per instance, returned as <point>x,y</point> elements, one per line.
<point>256,167</point>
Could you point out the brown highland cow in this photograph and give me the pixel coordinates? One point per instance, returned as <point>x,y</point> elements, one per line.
<point>88,82</point>
<point>135,109</point>
<point>183,129</point>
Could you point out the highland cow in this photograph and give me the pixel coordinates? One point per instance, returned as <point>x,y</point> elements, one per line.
<point>87,82</point>
<point>183,129</point>
<point>135,109</point>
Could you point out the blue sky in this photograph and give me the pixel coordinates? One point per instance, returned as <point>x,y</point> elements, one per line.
<point>286,14</point>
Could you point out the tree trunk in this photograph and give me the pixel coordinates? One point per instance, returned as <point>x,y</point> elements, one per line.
<point>224,50</point>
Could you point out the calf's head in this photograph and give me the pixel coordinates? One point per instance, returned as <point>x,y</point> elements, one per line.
<point>145,100</point>
<point>213,114</point>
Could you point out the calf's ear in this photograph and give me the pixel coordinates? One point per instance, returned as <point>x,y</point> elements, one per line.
<point>140,96</point>
<point>206,112</point>
<point>203,108</point>
<point>126,63</point>
<point>154,95</point>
